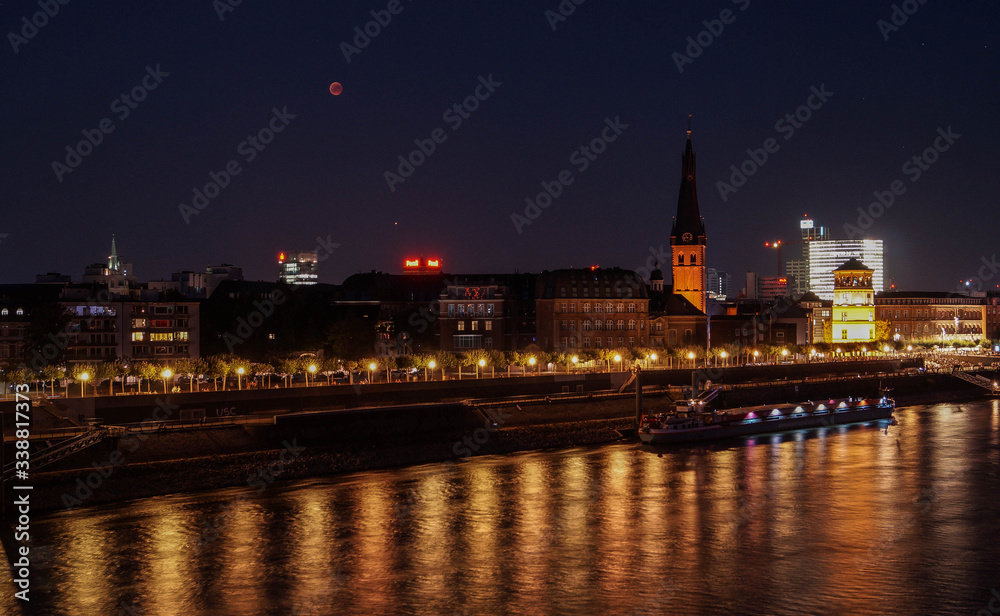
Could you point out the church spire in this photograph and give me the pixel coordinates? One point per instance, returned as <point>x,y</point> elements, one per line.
<point>113,264</point>
<point>688,227</point>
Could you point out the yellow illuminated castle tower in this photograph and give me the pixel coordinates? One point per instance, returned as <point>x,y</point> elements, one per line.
<point>687,237</point>
<point>853,303</point>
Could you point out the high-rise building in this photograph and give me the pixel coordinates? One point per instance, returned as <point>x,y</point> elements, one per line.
<point>810,231</point>
<point>825,256</point>
<point>687,237</point>
<point>298,268</point>
<point>797,273</point>
<point>719,284</point>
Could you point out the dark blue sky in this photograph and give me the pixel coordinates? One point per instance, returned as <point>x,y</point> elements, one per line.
<point>323,174</point>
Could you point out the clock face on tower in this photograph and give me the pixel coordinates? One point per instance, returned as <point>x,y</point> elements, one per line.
<point>686,237</point>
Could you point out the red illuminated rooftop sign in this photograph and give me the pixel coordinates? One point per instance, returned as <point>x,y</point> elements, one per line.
<point>422,266</point>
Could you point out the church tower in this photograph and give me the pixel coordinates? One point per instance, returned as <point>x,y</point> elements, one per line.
<point>687,237</point>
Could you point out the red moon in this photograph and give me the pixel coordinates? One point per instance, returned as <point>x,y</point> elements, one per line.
<point>336,88</point>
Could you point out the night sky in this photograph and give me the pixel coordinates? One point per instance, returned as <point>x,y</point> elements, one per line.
<point>323,175</point>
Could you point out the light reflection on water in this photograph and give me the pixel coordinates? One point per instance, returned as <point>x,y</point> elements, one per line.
<point>835,521</point>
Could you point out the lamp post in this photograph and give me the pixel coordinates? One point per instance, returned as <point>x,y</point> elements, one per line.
<point>653,357</point>
<point>166,374</point>
<point>618,362</point>
<point>431,364</point>
<point>480,365</point>
<point>691,357</point>
<point>239,378</point>
<point>371,368</point>
<point>573,360</point>
<point>83,382</point>
<point>725,358</point>
<point>784,353</point>
<point>312,370</point>
<point>756,354</point>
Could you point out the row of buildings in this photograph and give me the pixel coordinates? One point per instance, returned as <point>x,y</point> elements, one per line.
<point>111,315</point>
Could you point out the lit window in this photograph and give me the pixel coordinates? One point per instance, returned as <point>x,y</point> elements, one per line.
<point>138,336</point>
<point>19,312</point>
<point>489,326</point>
<point>475,325</point>
<point>461,326</point>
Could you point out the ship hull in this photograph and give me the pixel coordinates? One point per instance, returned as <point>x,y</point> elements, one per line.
<point>837,417</point>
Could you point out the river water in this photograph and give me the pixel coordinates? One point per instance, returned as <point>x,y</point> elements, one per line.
<point>866,520</point>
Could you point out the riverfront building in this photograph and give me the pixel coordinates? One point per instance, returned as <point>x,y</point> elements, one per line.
<point>591,309</point>
<point>853,303</point>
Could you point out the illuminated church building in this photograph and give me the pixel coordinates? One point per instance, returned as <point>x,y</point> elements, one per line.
<point>687,237</point>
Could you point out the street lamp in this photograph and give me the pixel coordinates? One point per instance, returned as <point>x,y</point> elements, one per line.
<point>574,359</point>
<point>887,348</point>
<point>431,364</point>
<point>724,356</point>
<point>480,364</point>
<point>618,359</point>
<point>371,368</point>
<point>784,353</point>
<point>691,357</point>
<point>83,382</point>
<point>166,374</point>
<point>531,361</point>
<point>909,347</point>
<point>653,357</point>
<point>756,354</point>
<point>312,370</point>
<point>239,378</point>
